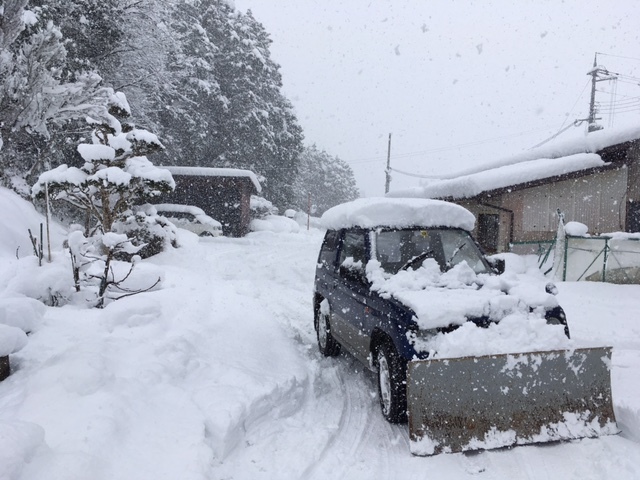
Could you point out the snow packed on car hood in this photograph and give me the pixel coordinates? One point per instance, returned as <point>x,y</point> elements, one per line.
<point>515,303</point>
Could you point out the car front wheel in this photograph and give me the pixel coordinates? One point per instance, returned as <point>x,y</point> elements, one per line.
<point>392,384</point>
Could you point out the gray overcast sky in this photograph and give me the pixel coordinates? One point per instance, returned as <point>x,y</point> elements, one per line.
<point>456,83</point>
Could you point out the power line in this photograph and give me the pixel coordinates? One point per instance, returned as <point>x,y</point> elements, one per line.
<point>629,98</point>
<point>444,149</point>
<point>618,56</point>
<point>431,177</point>
<point>574,106</point>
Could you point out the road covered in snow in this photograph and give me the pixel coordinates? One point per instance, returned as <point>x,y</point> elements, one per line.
<point>218,376</point>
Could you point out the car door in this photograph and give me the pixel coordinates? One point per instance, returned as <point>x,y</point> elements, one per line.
<point>350,309</point>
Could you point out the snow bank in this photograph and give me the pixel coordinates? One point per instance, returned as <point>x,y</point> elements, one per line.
<point>12,339</point>
<point>20,442</point>
<point>397,212</point>
<point>17,216</point>
<point>274,223</point>
<point>24,313</point>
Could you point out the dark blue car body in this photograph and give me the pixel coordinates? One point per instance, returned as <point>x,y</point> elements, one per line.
<point>358,318</point>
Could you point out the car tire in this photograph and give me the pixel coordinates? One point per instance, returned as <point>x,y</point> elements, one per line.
<point>392,383</point>
<point>327,345</point>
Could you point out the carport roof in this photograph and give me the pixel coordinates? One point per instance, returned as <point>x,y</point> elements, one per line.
<point>215,172</point>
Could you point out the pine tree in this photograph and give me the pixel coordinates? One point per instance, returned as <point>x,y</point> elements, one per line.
<point>34,96</point>
<point>327,180</point>
<point>237,116</point>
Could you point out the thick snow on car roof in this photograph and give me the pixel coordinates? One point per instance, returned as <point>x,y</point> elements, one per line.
<point>167,209</point>
<point>397,213</point>
<point>175,207</point>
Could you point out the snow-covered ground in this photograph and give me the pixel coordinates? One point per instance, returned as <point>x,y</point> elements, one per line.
<point>217,376</point>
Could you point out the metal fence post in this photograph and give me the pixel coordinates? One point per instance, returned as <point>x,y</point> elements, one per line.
<point>566,249</point>
<point>604,266</point>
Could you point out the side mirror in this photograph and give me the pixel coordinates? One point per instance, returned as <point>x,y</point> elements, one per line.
<point>497,265</point>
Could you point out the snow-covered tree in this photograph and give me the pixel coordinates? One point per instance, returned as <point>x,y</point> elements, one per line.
<point>237,116</point>
<point>191,112</point>
<point>197,72</point>
<point>33,94</point>
<point>258,129</point>
<point>116,173</point>
<point>328,180</point>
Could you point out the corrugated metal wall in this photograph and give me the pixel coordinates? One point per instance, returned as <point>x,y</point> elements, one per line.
<point>597,200</point>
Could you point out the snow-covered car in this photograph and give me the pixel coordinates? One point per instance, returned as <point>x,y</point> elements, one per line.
<point>396,275</point>
<point>190,218</point>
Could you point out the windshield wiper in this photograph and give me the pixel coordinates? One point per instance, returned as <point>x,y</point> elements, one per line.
<point>416,260</point>
<point>455,252</point>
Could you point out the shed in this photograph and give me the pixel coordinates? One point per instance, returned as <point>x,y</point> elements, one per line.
<point>223,193</point>
<point>593,180</point>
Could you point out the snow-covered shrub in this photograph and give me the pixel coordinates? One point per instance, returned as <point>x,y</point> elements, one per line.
<point>97,273</point>
<point>147,230</point>
<point>261,207</point>
<point>115,176</point>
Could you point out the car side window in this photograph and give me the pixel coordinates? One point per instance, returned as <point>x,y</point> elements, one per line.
<point>329,250</point>
<point>353,252</point>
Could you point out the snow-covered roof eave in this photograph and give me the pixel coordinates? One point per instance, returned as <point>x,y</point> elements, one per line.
<point>509,176</point>
<point>215,172</point>
<point>560,158</point>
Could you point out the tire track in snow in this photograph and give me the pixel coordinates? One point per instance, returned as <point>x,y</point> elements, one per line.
<point>361,432</point>
<point>364,445</point>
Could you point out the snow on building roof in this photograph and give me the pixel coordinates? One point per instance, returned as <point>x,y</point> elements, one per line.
<point>557,158</point>
<point>216,172</point>
<point>397,212</point>
<point>467,186</point>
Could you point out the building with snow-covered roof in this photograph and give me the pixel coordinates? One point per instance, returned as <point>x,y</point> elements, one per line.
<point>593,180</point>
<point>223,193</point>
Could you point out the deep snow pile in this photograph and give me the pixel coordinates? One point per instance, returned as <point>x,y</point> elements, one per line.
<point>217,375</point>
<point>156,386</point>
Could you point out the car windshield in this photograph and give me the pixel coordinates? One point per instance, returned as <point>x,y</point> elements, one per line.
<point>408,248</point>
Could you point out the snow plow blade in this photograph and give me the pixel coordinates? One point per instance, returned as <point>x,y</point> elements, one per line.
<point>494,401</point>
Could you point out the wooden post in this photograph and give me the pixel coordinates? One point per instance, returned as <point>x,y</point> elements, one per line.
<point>46,196</point>
<point>309,211</point>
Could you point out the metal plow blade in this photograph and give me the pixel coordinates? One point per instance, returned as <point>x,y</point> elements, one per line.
<point>495,401</point>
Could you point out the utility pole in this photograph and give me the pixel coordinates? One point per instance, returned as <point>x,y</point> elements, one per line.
<point>595,72</point>
<point>388,170</point>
